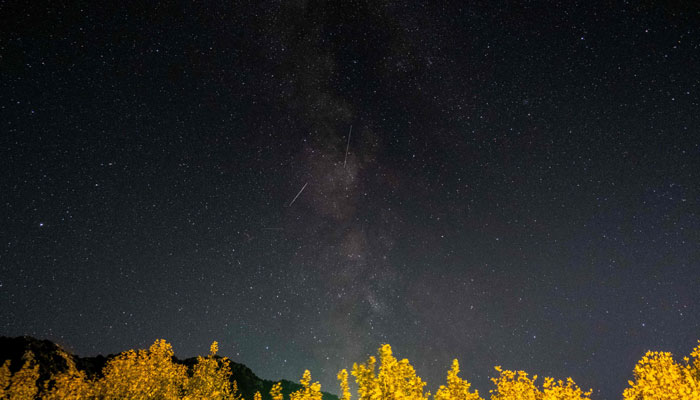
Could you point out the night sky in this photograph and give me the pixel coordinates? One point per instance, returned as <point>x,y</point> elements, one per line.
<point>303,181</point>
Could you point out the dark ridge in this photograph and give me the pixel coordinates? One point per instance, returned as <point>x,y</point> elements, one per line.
<point>51,360</point>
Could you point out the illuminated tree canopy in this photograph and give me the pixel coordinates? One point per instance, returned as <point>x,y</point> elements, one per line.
<point>152,374</point>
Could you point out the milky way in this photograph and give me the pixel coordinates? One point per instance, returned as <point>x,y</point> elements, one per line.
<point>510,185</point>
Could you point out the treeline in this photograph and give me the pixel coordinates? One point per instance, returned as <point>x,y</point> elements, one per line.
<point>152,374</point>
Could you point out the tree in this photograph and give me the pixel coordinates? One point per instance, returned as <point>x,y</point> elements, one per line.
<point>309,391</point>
<point>560,390</point>
<point>144,374</point>
<point>5,379</point>
<point>22,384</point>
<point>658,376</point>
<point>210,378</point>
<point>71,384</point>
<point>396,380</point>
<point>457,388</point>
<point>511,385</point>
<point>695,370</point>
<point>276,391</point>
<point>345,389</point>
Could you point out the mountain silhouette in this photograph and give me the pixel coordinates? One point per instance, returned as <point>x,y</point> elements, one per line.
<point>51,360</point>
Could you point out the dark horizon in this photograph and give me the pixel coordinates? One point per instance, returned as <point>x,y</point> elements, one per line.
<point>506,184</point>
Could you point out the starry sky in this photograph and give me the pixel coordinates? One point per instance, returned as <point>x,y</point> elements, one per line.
<point>507,184</point>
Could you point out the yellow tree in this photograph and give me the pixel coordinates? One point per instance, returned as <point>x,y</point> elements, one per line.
<point>457,388</point>
<point>561,390</point>
<point>5,378</point>
<point>366,379</point>
<point>511,385</point>
<point>658,376</point>
<point>210,378</point>
<point>695,366</point>
<point>234,391</point>
<point>396,380</point>
<point>143,374</point>
<point>257,396</point>
<point>22,385</point>
<point>71,384</point>
<point>308,391</point>
<point>276,391</point>
<point>345,389</point>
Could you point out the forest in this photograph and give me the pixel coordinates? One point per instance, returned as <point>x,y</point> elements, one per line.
<point>152,374</point>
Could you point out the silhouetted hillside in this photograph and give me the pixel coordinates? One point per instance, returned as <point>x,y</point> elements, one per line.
<point>48,356</point>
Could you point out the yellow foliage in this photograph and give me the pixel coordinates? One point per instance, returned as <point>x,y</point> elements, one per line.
<point>70,384</point>
<point>309,391</point>
<point>276,391</point>
<point>210,379</point>
<point>147,374</point>
<point>367,385</point>
<point>5,378</point>
<point>345,389</point>
<point>143,374</point>
<point>234,391</point>
<point>23,383</point>
<point>658,376</point>
<point>457,388</point>
<point>152,374</point>
<point>396,380</point>
<point>560,390</point>
<point>696,362</point>
<point>513,385</point>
